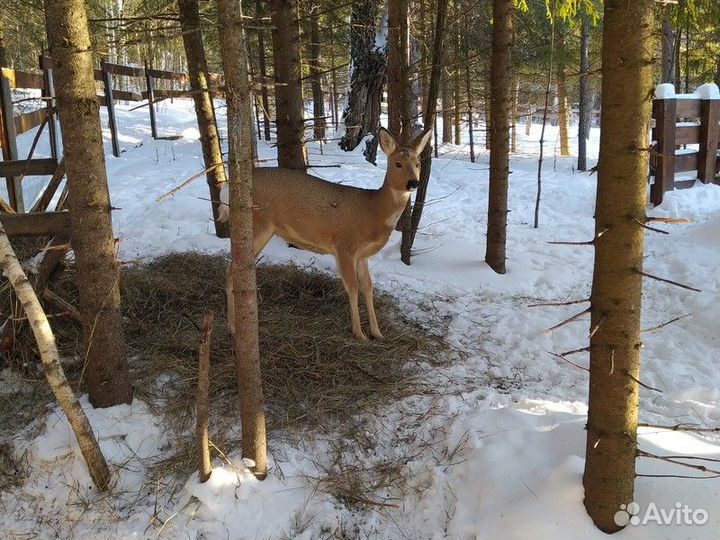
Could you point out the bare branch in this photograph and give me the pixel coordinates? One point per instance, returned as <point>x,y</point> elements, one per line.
<point>663,325</point>
<point>561,357</point>
<point>688,287</point>
<point>568,303</point>
<point>642,383</point>
<point>566,321</point>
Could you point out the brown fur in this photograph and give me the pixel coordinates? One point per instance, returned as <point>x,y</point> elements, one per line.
<point>348,222</point>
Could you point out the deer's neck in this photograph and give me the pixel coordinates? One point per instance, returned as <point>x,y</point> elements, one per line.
<point>391,203</point>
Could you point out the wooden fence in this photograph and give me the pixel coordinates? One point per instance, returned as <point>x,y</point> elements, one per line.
<point>14,169</point>
<point>683,120</point>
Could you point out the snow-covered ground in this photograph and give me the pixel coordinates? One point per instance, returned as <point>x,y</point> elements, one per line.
<point>497,451</point>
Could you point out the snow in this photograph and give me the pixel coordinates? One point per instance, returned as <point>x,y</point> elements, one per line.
<point>665,91</point>
<point>704,91</point>
<point>497,450</point>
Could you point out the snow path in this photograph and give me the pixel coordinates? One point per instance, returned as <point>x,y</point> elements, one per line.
<point>499,451</point>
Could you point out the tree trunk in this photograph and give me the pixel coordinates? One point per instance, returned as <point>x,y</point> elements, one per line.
<point>242,267</point>
<point>362,114</point>
<point>468,91</point>
<point>94,459</point>
<point>668,49</point>
<point>263,73</point>
<point>447,116</point>
<point>585,102</point>
<point>319,122</point>
<point>562,97</point>
<point>98,273</point>
<point>408,234</point>
<point>457,101</point>
<point>513,115</point>
<point>204,109</point>
<point>289,117</point>
<point>615,341</point>
<point>500,103</point>
<point>400,118</point>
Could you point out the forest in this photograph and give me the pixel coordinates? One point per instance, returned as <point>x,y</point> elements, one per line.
<point>410,269</point>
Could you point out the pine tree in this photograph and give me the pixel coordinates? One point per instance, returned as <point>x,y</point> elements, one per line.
<point>93,242</point>
<point>615,343</point>
<point>240,166</point>
<point>204,109</point>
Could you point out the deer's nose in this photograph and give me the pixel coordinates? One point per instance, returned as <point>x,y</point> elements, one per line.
<point>412,184</point>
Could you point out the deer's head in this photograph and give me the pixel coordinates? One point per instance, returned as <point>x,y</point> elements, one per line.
<point>403,162</point>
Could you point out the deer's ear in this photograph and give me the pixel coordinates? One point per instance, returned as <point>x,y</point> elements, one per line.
<point>387,141</point>
<point>418,143</point>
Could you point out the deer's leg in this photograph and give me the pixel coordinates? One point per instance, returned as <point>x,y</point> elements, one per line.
<point>366,287</point>
<point>348,273</point>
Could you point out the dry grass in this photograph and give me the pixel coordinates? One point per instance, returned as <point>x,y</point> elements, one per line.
<point>315,374</point>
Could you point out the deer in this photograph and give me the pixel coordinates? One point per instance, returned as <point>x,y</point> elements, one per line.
<point>323,217</point>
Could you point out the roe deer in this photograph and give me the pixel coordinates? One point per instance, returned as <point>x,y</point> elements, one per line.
<point>348,222</point>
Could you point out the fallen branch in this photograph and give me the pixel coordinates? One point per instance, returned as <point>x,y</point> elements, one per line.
<point>97,466</point>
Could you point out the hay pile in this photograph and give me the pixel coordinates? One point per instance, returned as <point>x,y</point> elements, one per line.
<point>314,373</point>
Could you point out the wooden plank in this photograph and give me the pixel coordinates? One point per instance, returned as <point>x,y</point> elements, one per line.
<point>110,104</point>
<point>128,71</point>
<point>34,167</point>
<point>688,108</point>
<point>43,202</point>
<point>127,96</point>
<point>52,122</point>
<point>10,152</point>
<point>23,79</point>
<point>40,224</point>
<point>687,135</point>
<point>664,112</point>
<point>686,162</point>
<point>149,94</point>
<point>168,75</point>
<point>707,154</point>
<point>27,121</point>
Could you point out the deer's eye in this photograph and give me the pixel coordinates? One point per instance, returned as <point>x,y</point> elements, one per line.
<point>398,165</point>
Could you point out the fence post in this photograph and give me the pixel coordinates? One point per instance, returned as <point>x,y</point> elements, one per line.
<point>707,154</point>
<point>50,104</point>
<point>14,185</point>
<point>151,101</point>
<point>665,114</point>
<point>110,104</point>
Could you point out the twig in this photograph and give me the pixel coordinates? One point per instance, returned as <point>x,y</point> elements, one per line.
<point>688,287</point>
<point>642,383</point>
<point>681,427</point>
<point>568,303</point>
<point>187,182</point>
<point>566,321</point>
<point>663,325</point>
<point>561,357</point>
<point>668,220</point>
<point>675,461</point>
<point>649,228</point>
<point>596,327</point>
